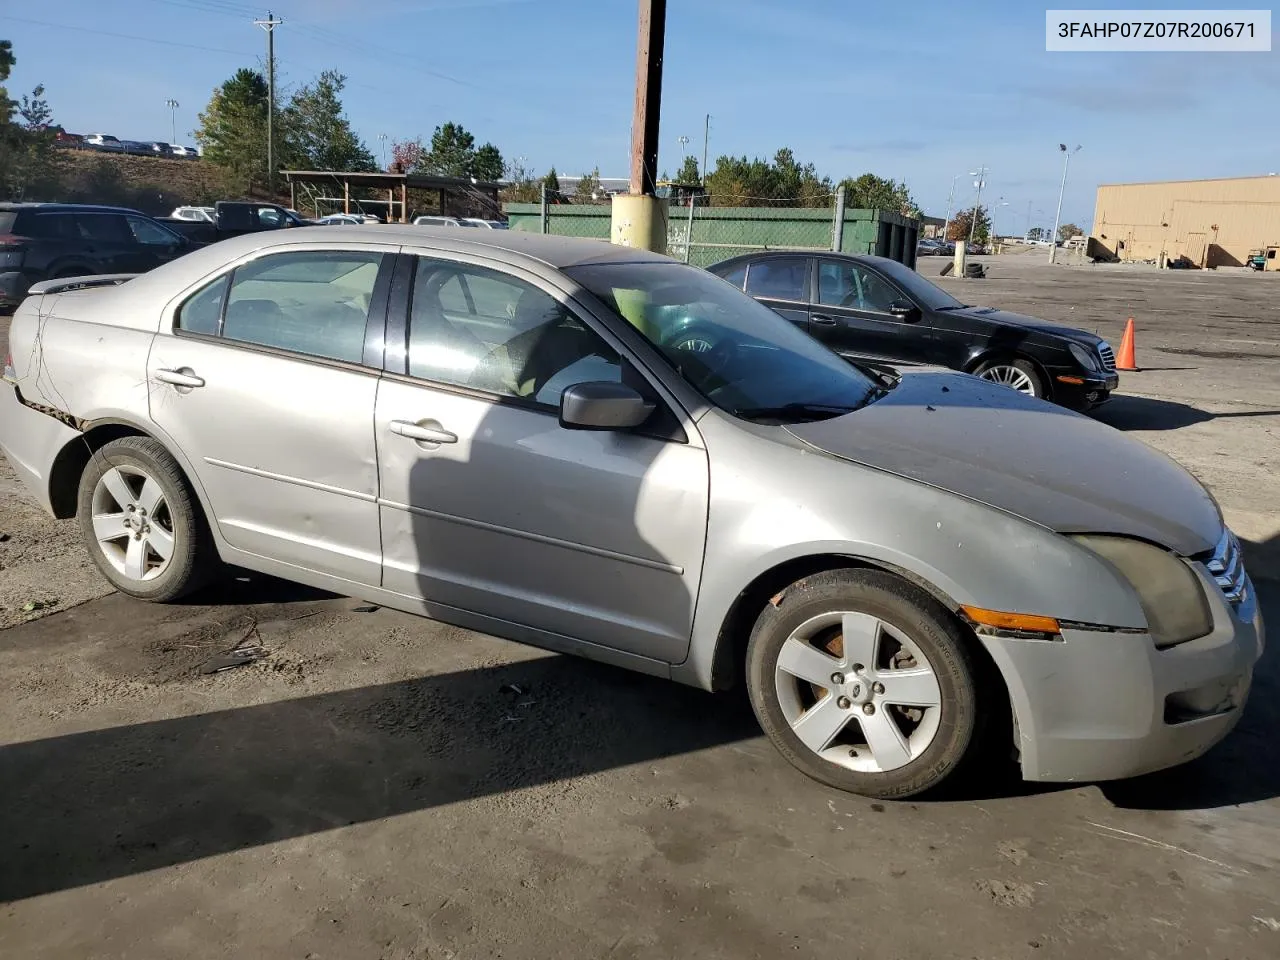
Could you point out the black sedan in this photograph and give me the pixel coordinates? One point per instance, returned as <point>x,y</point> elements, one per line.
<point>879,312</point>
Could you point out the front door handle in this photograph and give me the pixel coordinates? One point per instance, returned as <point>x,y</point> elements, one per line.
<point>183,377</point>
<point>822,320</point>
<point>422,432</point>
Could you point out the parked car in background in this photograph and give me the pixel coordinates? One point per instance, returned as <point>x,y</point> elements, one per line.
<point>232,218</point>
<point>347,219</point>
<point>872,309</point>
<point>48,241</point>
<point>430,221</point>
<point>484,224</point>
<point>185,152</point>
<point>928,248</point>
<point>516,435</point>
<point>160,148</point>
<point>104,141</point>
<point>193,214</point>
<point>64,139</point>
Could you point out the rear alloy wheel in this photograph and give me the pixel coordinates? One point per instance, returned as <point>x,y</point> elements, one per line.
<point>1018,374</point>
<point>141,523</point>
<point>864,683</point>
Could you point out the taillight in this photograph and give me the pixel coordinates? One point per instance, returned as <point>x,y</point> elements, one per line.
<point>12,249</point>
<point>9,372</point>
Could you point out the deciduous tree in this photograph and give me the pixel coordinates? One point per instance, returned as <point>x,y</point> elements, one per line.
<point>873,192</point>
<point>959,229</point>
<point>318,131</point>
<point>1067,231</point>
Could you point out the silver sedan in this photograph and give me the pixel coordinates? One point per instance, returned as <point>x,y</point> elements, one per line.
<point>604,452</point>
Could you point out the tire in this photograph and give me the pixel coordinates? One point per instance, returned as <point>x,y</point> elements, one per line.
<point>1021,375</point>
<point>932,744</point>
<point>947,270</point>
<point>159,514</point>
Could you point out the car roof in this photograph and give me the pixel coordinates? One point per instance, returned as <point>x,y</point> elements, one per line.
<point>558,252</point>
<point>68,208</point>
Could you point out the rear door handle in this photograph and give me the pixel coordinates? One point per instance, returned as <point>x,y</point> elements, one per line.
<point>183,377</point>
<point>422,432</point>
<point>822,320</point>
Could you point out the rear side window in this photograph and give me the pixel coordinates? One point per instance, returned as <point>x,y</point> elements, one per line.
<point>104,227</point>
<point>7,220</point>
<point>50,226</point>
<point>779,279</point>
<point>202,313</point>
<point>314,303</point>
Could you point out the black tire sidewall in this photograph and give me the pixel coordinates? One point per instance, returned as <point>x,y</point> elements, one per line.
<point>182,574</point>
<point>906,608</point>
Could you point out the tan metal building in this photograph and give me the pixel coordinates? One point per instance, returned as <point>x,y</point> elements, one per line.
<point>1212,222</point>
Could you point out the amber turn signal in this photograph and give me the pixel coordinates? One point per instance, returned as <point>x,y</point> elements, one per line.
<point>1075,380</point>
<point>1010,621</point>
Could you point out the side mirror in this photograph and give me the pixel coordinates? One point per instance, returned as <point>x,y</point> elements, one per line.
<point>603,405</point>
<point>904,309</point>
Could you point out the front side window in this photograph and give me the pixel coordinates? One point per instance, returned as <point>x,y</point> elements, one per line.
<point>781,279</point>
<point>844,284</point>
<point>315,303</point>
<point>474,327</point>
<point>736,352</point>
<point>144,231</point>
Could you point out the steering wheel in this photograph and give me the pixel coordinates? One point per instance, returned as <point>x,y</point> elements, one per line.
<point>709,350</point>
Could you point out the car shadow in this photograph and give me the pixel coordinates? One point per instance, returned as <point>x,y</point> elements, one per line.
<point>89,807</point>
<point>1129,412</point>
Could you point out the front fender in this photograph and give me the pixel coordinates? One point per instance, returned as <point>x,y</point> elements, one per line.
<point>774,502</point>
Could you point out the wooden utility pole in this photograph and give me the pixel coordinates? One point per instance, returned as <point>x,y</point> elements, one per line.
<point>270,25</point>
<point>645,120</point>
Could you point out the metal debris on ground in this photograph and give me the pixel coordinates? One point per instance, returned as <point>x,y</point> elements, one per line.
<point>367,608</point>
<point>248,650</point>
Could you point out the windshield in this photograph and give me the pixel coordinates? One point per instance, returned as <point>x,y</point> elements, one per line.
<point>921,290</point>
<point>739,354</point>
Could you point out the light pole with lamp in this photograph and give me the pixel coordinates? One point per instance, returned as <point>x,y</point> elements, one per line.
<point>950,197</point>
<point>173,105</point>
<point>981,182</point>
<point>1066,161</point>
<point>382,139</point>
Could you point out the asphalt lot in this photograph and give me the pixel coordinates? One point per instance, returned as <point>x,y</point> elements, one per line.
<point>380,786</point>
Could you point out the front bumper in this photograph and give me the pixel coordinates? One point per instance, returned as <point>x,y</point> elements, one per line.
<point>1105,706</point>
<point>1092,390</point>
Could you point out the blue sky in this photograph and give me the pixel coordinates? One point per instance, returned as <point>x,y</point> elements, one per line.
<point>919,91</point>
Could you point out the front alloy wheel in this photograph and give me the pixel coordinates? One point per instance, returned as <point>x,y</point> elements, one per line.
<point>865,683</point>
<point>1017,374</point>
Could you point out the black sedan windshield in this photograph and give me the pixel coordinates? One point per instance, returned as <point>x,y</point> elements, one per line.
<point>738,354</point>
<point>926,294</point>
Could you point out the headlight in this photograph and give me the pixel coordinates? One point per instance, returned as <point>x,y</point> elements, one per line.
<point>1171,595</point>
<point>1085,357</point>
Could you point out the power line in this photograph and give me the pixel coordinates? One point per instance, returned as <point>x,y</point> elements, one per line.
<point>124,36</point>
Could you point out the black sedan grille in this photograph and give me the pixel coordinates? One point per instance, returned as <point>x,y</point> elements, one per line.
<point>1226,566</point>
<point>1108,357</point>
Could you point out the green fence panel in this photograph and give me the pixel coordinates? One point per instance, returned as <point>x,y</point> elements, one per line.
<point>718,233</point>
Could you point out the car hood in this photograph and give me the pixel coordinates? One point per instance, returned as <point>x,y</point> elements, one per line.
<point>1024,456</point>
<point>1022,322</point>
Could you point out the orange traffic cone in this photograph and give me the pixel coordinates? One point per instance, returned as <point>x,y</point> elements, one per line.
<point>1126,360</point>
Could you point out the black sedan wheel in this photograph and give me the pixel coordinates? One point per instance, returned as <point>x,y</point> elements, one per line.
<point>1018,374</point>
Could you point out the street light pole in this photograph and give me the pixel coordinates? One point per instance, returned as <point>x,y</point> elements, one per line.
<point>382,138</point>
<point>1057,217</point>
<point>980,173</point>
<point>173,105</point>
<point>950,197</point>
